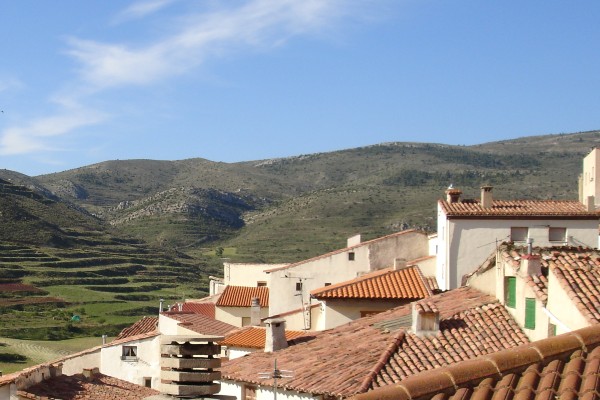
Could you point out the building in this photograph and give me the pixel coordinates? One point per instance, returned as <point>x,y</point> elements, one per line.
<point>237,304</point>
<point>379,350</point>
<point>253,338</point>
<point>548,291</point>
<point>470,230</point>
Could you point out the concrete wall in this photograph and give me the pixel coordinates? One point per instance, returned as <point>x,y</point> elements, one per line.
<point>591,177</point>
<point>294,320</point>
<point>146,366</point>
<point>8,392</point>
<point>427,265</point>
<point>341,311</point>
<point>245,274</point>
<point>466,243</point>
<point>75,364</point>
<point>235,315</point>
<point>562,307</point>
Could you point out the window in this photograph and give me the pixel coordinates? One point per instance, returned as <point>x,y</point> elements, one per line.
<point>557,234</point>
<point>129,353</point>
<point>368,313</point>
<point>529,313</point>
<point>249,392</point>
<point>148,382</point>
<point>261,283</point>
<point>518,234</point>
<point>511,291</point>
<point>298,286</point>
<point>351,256</point>
<point>551,329</point>
<point>327,284</point>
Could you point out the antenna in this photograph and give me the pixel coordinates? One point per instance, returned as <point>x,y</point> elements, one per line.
<point>276,374</point>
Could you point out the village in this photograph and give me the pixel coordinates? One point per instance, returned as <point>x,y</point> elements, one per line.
<point>503,299</point>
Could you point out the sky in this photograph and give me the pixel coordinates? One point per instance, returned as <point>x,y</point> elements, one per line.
<point>83,82</point>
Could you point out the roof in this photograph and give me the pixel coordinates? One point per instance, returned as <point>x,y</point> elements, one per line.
<point>387,284</point>
<point>576,269</point>
<point>560,367</point>
<point>254,337</point>
<point>201,324</point>
<point>207,309</point>
<point>241,296</point>
<point>144,325</point>
<point>364,354</point>
<point>99,387</point>
<point>562,209</point>
<point>339,251</point>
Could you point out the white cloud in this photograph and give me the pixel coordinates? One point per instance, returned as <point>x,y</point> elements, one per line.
<point>199,36</point>
<point>141,9</point>
<point>10,83</point>
<point>36,136</point>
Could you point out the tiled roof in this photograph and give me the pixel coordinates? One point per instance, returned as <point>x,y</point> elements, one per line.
<point>368,242</point>
<point>576,269</point>
<point>363,354</point>
<point>201,324</point>
<point>518,208</point>
<point>207,309</point>
<point>77,387</point>
<point>561,367</point>
<point>254,337</point>
<point>241,296</point>
<point>431,283</point>
<point>405,283</point>
<point>144,325</point>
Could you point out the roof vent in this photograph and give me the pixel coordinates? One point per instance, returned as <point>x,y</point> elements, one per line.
<point>255,312</point>
<point>453,195</point>
<point>486,196</point>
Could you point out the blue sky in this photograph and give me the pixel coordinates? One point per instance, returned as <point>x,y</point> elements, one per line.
<point>83,82</point>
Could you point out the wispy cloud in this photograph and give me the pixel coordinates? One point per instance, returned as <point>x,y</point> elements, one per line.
<point>141,9</point>
<point>9,83</point>
<point>201,36</point>
<point>37,135</point>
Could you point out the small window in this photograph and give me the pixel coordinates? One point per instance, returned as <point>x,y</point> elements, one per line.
<point>511,291</point>
<point>368,313</point>
<point>351,256</point>
<point>557,234</point>
<point>327,284</point>
<point>518,234</point>
<point>530,313</point>
<point>129,353</point>
<point>298,286</point>
<point>261,283</point>
<point>148,382</point>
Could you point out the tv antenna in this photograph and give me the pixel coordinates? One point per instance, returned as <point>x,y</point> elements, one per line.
<point>276,374</point>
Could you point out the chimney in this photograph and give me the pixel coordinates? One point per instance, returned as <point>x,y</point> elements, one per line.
<point>275,335</point>
<point>160,305</point>
<point>425,319</point>
<point>453,195</point>
<point>486,196</point>
<point>104,337</point>
<point>590,204</point>
<point>180,307</point>
<point>399,263</point>
<point>531,264</point>
<point>255,312</point>
<point>353,241</point>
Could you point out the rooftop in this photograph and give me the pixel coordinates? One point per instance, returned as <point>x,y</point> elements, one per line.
<point>561,367</point>
<point>241,296</point>
<point>254,337</point>
<point>144,325</point>
<point>576,269</point>
<point>201,324</point>
<point>380,350</point>
<point>77,387</point>
<point>518,208</point>
<point>388,284</point>
<point>207,309</point>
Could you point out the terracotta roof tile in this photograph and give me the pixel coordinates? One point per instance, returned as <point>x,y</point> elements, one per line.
<point>518,208</point>
<point>363,354</point>
<point>241,296</point>
<point>144,325</point>
<point>207,309</point>
<point>77,387</point>
<point>405,283</point>
<point>368,242</point>
<point>254,337</point>
<point>201,324</point>
<point>576,269</point>
<point>561,367</point>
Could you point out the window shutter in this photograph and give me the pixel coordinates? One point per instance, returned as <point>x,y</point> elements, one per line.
<point>529,313</point>
<point>511,292</point>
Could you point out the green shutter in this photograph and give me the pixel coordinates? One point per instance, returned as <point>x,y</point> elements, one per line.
<point>530,313</point>
<point>511,292</point>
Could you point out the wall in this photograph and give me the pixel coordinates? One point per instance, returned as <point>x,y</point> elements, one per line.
<point>232,388</point>
<point>337,267</point>
<point>243,274</point>
<point>147,365</point>
<point>294,320</point>
<point>562,307</point>
<point>341,311</point>
<point>591,177</point>
<point>75,364</point>
<point>234,315</point>
<point>468,242</point>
